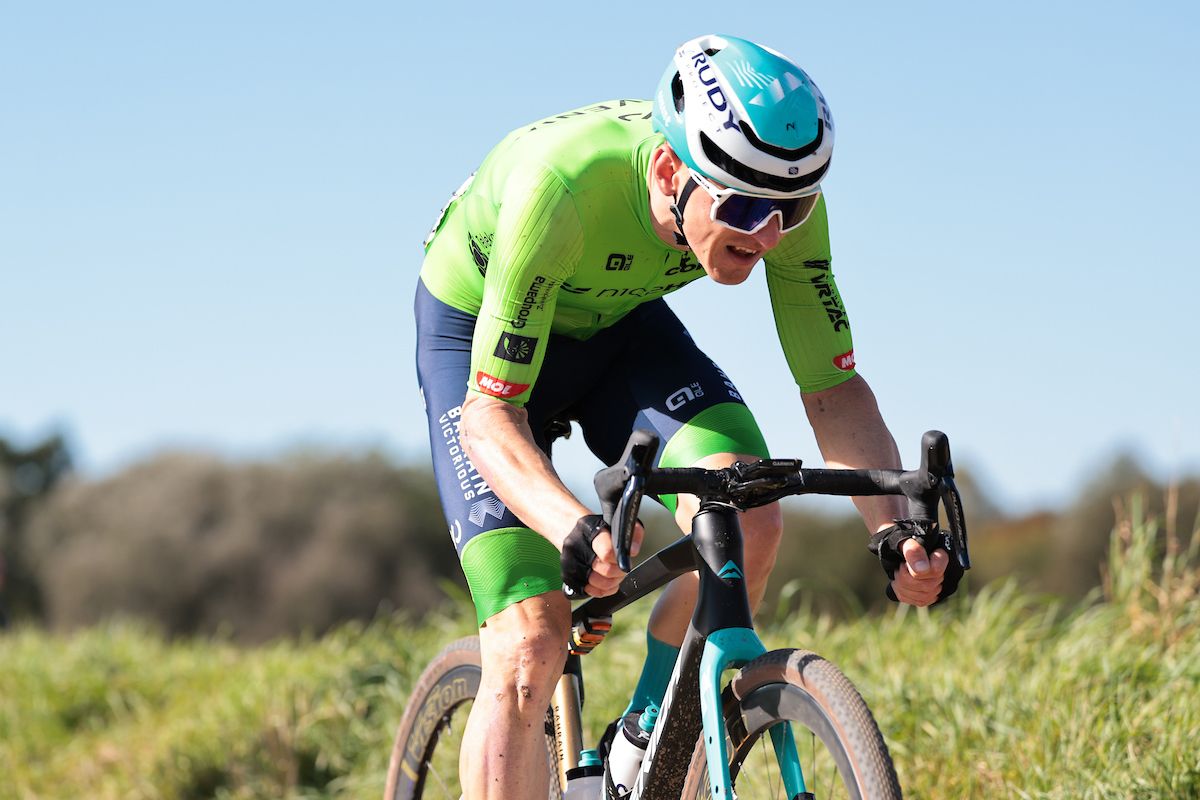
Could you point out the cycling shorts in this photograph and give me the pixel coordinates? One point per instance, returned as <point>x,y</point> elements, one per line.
<point>644,371</point>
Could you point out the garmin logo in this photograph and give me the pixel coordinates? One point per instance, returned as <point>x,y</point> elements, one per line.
<point>716,96</point>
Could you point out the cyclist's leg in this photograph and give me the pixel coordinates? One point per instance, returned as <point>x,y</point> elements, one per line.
<point>513,574</point>
<point>677,391</point>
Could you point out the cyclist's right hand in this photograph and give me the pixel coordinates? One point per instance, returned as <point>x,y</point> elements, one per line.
<point>920,571</point>
<point>589,562</point>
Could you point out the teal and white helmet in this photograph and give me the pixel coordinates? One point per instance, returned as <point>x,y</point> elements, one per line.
<point>745,116</point>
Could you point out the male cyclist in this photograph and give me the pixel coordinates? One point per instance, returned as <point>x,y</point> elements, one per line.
<point>540,299</point>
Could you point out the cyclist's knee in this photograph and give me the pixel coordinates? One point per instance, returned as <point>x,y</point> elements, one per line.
<point>524,649</point>
<point>762,530</point>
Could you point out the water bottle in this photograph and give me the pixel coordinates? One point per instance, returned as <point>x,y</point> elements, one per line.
<point>628,749</point>
<point>585,782</point>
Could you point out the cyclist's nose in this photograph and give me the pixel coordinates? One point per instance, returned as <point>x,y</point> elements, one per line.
<point>769,235</point>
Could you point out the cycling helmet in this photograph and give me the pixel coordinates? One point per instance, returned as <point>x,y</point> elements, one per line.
<point>745,116</point>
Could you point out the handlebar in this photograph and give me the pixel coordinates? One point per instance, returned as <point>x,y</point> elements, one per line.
<point>743,486</point>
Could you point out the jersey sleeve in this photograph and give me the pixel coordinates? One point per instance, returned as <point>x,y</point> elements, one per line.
<point>813,327</point>
<point>538,243</point>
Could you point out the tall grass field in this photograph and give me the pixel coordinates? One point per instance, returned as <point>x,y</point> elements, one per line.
<point>1002,695</point>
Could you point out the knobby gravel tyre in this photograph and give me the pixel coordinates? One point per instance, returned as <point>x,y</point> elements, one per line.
<point>841,750</point>
<point>424,762</point>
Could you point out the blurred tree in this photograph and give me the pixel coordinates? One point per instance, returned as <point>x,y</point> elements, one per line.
<point>200,545</point>
<point>26,478</point>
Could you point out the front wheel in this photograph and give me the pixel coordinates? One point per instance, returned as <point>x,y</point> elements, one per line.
<point>424,760</point>
<point>842,753</point>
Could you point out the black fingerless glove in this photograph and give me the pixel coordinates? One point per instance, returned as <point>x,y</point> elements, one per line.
<point>577,552</point>
<point>888,544</point>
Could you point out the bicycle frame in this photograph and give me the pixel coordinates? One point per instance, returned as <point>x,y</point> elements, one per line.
<point>721,636</point>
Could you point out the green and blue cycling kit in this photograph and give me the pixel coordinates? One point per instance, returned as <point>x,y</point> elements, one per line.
<point>542,286</point>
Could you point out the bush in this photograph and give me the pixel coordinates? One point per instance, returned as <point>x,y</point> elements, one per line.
<point>199,545</point>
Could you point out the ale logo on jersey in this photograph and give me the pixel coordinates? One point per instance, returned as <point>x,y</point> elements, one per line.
<point>495,387</point>
<point>514,348</point>
<point>844,362</point>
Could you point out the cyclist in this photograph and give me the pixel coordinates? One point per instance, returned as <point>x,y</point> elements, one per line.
<point>540,298</point>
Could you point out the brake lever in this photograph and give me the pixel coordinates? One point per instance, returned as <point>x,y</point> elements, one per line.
<point>952,502</point>
<point>620,488</point>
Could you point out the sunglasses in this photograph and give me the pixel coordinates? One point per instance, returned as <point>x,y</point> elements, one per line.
<point>747,214</point>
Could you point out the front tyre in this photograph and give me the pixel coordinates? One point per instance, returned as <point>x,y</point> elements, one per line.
<point>842,753</point>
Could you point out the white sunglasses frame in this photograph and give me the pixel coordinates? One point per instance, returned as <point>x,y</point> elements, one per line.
<point>719,196</point>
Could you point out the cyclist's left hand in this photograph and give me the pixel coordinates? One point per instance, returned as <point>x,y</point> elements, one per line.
<point>919,578</point>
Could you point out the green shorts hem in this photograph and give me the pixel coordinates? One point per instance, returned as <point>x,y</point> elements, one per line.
<point>723,428</point>
<point>508,565</point>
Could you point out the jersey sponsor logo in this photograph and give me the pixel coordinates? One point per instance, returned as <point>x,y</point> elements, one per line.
<point>643,291</point>
<point>685,265</point>
<point>730,389</point>
<point>530,300</point>
<point>470,482</point>
<point>478,251</point>
<point>514,348</point>
<point>684,394</point>
<point>566,287</point>
<point>619,262</point>
<point>635,116</point>
<point>844,362</point>
<point>487,507</point>
<point>489,384</point>
<point>828,297</point>
<point>592,110</point>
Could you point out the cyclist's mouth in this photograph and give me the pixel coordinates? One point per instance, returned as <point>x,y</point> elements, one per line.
<point>743,253</point>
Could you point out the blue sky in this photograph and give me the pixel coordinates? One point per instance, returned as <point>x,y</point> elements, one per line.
<point>211,216</point>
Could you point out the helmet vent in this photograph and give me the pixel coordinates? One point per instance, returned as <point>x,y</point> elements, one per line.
<point>677,92</point>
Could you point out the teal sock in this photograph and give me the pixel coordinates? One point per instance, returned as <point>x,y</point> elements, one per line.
<point>656,674</point>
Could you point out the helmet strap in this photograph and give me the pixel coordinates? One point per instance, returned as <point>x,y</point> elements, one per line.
<point>678,206</point>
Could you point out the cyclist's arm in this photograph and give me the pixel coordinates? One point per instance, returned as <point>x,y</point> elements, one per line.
<point>851,434</point>
<point>500,444</point>
<point>814,330</point>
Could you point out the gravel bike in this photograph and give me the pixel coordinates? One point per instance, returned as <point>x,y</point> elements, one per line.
<point>786,723</point>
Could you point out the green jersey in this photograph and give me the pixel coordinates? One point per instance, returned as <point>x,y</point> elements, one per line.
<point>553,234</point>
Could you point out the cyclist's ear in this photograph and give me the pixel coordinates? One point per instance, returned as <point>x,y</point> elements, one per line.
<point>667,172</point>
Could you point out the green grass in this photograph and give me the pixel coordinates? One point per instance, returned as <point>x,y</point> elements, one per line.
<point>1006,695</point>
